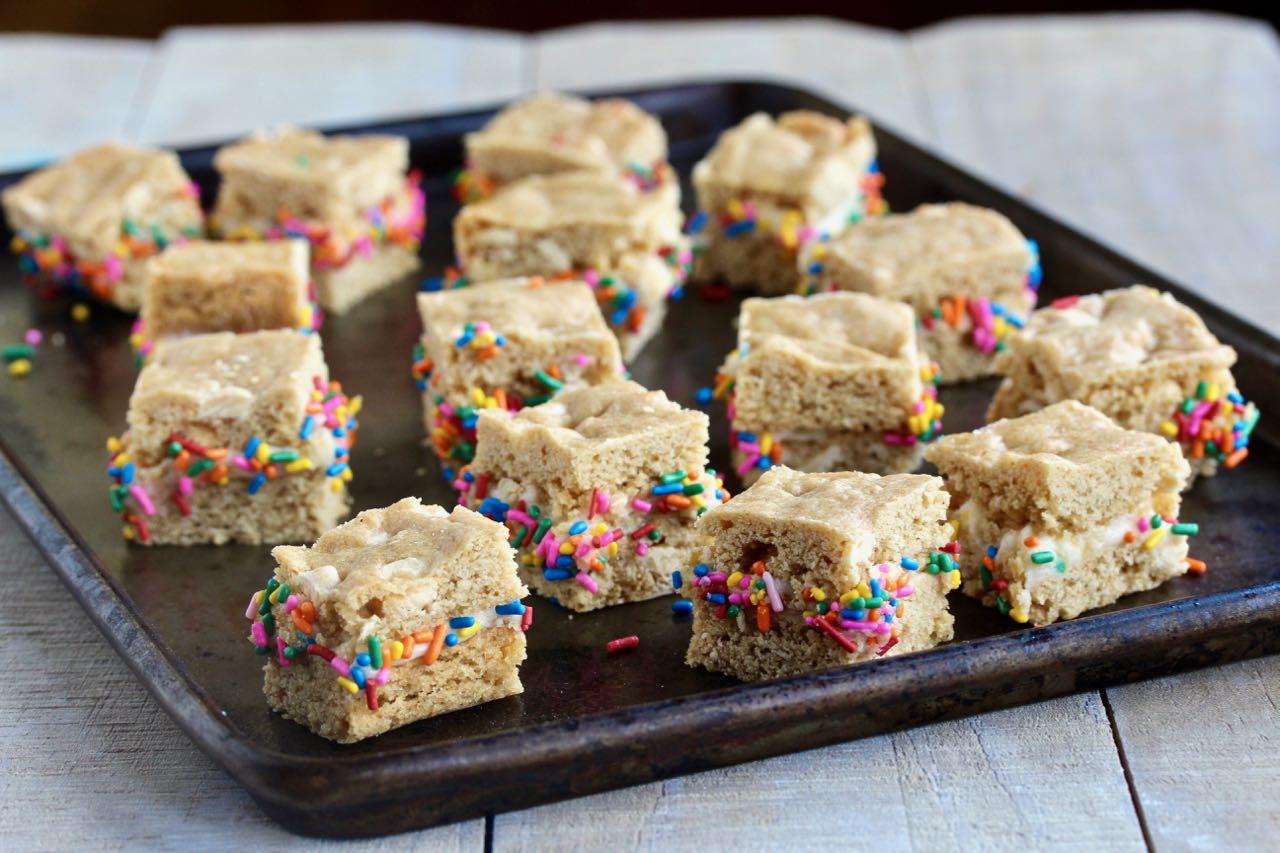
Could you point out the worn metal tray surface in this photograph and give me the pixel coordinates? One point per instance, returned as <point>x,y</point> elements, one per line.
<point>586,721</point>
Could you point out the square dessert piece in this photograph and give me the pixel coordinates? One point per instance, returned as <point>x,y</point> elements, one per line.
<point>768,187</point>
<point>1062,511</point>
<point>233,438</point>
<point>400,614</point>
<point>599,489</point>
<point>505,345</point>
<point>549,224</point>
<point>968,273</point>
<point>551,133</point>
<point>1141,358</point>
<point>831,382</point>
<point>202,286</point>
<point>348,196</point>
<point>90,221</point>
<point>810,571</point>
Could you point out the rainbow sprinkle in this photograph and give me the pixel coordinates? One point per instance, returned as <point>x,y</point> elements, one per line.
<point>197,466</point>
<point>276,606</point>
<point>480,339</point>
<point>1212,425</point>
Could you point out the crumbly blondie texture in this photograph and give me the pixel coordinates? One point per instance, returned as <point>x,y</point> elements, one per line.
<point>810,571</point>
<point>233,438</point>
<point>546,224</point>
<point>202,286</point>
<point>1061,511</point>
<point>400,614</point>
<point>505,345</point>
<point>1140,357</point>
<point>838,374</point>
<point>551,133</point>
<point>769,187</point>
<point>89,222</point>
<point>967,271</point>
<point>599,490</point>
<point>348,196</point>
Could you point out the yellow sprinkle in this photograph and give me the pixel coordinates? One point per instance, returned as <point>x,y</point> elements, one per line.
<point>735,579</point>
<point>863,590</point>
<point>953,579</point>
<point>335,484</point>
<point>1211,394</point>
<point>274,598</point>
<point>20,367</point>
<point>477,396</point>
<point>79,312</point>
<point>257,597</point>
<point>463,633</point>
<point>127,532</point>
<point>354,405</point>
<point>302,464</point>
<point>263,453</point>
<point>613,549</point>
<point>735,208</point>
<point>1169,428</point>
<point>766,443</point>
<point>817,594</point>
<point>566,548</point>
<point>819,251</point>
<point>599,529</point>
<point>999,328</point>
<point>347,684</point>
<point>346,476</point>
<point>1017,615</point>
<point>1154,539</point>
<point>397,650</point>
<point>114,445</point>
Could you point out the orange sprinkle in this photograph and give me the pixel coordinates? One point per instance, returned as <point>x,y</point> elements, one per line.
<point>596,565</point>
<point>1196,567</point>
<point>1237,456</point>
<point>762,616</point>
<point>272,472</point>
<point>775,452</point>
<point>300,622</point>
<point>183,460</point>
<point>1228,443</point>
<point>989,563</point>
<point>758,567</point>
<point>1197,449</point>
<point>408,642</point>
<point>437,643</point>
<point>636,319</point>
<point>679,501</point>
<point>1031,541</point>
<point>216,453</point>
<point>961,304</point>
<point>1129,537</point>
<point>488,352</point>
<point>500,397</point>
<point>536,281</point>
<point>422,636</point>
<point>553,371</point>
<point>308,611</point>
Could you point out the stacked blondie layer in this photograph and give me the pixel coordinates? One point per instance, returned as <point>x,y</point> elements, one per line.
<point>200,286</point>
<point>400,614</point>
<point>351,197</point>
<point>1141,358</point>
<point>1062,511</point>
<point>600,489</point>
<point>831,382</point>
<point>769,187</point>
<point>233,438</point>
<point>968,273</point>
<point>809,571</point>
<point>89,222</point>
<point>505,345</point>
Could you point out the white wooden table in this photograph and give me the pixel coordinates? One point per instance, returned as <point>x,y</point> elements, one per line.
<point>1158,134</point>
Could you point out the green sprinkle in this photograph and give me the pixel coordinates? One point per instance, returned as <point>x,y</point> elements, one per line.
<point>537,400</point>
<point>174,448</point>
<point>375,652</point>
<point>519,534</point>
<point>985,576</point>
<point>283,595</point>
<point>290,652</point>
<point>1061,567</point>
<point>548,380</point>
<point>117,502</point>
<point>303,161</point>
<point>1187,405</point>
<point>131,228</point>
<point>1186,529</point>
<point>283,456</point>
<point>543,526</point>
<point>16,351</point>
<point>199,467</point>
<point>873,603</point>
<point>260,650</point>
<point>269,622</point>
<point>654,535</point>
<point>1156,520</point>
<point>157,234</point>
<point>824,607</point>
<point>932,568</point>
<point>694,489</point>
<point>1201,389</point>
<point>673,477</point>
<point>271,585</point>
<point>1041,557</point>
<point>535,511</point>
<point>1002,606</point>
<point>734,610</point>
<point>464,451</point>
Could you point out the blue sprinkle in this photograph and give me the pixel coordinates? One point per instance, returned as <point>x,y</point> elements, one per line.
<point>256,483</point>
<point>514,608</point>
<point>431,285</point>
<point>716,598</point>
<point>701,570</point>
<point>815,268</point>
<point>704,396</point>
<point>462,622</point>
<point>697,223</point>
<point>764,463</point>
<point>747,437</point>
<point>564,561</point>
<point>682,606</point>
<point>910,564</point>
<point>1236,397</point>
<point>873,168</point>
<point>307,427</point>
<point>339,452</point>
<point>875,588</point>
<point>363,659</point>
<point>578,527</point>
<point>745,226</point>
<point>339,432</point>
<point>335,469</point>
<point>664,489</point>
<point>677,580</point>
<point>251,447</point>
<point>619,317</point>
<point>992,550</point>
<point>469,477</point>
<point>126,473</point>
<point>556,574</point>
<point>451,639</point>
<point>500,340</point>
<point>357,675</point>
<point>888,617</point>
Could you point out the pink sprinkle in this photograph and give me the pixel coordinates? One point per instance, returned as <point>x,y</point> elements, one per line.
<point>582,359</point>
<point>383,676</point>
<point>591,277</point>
<point>242,463</point>
<point>291,603</point>
<point>737,598</point>
<point>33,337</point>
<point>748,464</point>
<point>284,661</point>
<point>185,486</point>
<point>259,632</point>
<point>602,502</point>
<point>114,267</point>
<point>144,500</point>
<point>771,589</point>
<point>642,506</point>
<point>587,581</point>
<point>716,577</point>
<point>461,485</point>
<point>642,548</point>
<point>521,517</point>
<point>583,549</point>
<point>447,410</point>
<point>252,609</point>
<point>1143,524</point>
<point>341,666</point>
<point>905,591</point>
<point>317,383</point>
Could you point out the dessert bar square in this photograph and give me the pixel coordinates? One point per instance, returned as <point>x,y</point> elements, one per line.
<point>569,221</point>
<point>551,133</point>
<point>400,614</point>
<point>505,344</point>
<point>828,382</point>
<point>233,438</point>
<point>809,571</point>
<point>768,187</point>
<point>1141,358</point>
<point>599,488</point>
<point>90,221</point>
<point>350,197</point>
<point>967,272</point>
<point>1061,511</point>
<point>202,286</point>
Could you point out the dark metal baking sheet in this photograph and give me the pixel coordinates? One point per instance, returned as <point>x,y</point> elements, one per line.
<point>587,721</point>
